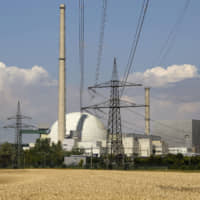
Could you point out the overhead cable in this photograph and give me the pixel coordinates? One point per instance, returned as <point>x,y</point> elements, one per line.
<point>135,41</point>
<point>169,42</point>
<point>101,40</point>
<point>156,121</point>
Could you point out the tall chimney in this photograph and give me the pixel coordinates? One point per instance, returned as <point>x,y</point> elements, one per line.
<point>62,89</point>
<point>147,111</point>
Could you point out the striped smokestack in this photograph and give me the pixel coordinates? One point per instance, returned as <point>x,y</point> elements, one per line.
<point>62,93</point>
<point>147,111</point>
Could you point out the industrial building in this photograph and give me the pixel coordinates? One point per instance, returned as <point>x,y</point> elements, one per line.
<point>159,147</point>
<point>179,133</point>
<point>143,145</point>
<point>83,130</point>
<point>87,132</point>
<point>177,150</point>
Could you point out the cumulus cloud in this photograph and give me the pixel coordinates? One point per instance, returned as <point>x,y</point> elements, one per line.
<point>180,102</point>
<point>14,75</point>
<point>33,87</point>
<point>161,77</point>
<point>37,92</point>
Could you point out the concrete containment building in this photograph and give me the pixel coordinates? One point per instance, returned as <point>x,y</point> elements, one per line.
<point>83,130</point>
<point>179,133</point>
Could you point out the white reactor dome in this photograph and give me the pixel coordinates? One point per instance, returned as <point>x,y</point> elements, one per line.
<point>89,126</point>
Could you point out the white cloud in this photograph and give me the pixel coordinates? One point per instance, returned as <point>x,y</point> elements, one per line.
<point>38,93</point>
<point>161,77</point>
<point>33,87</point>
<point>14,75</point>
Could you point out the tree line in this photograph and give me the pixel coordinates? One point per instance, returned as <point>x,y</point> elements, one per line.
<point>42,155</point>
<point>47,155</point>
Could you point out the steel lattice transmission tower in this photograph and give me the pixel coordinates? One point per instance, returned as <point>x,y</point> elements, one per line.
<point>18,126</point>
<point>114,144</point>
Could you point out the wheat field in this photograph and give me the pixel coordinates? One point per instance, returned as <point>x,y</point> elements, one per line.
<point>42,184</point>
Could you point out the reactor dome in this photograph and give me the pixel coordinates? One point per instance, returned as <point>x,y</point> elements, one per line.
<point>90,128</point>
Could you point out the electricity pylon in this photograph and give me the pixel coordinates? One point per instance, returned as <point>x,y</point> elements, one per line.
<point>114,144</point>
<point>18,126</point>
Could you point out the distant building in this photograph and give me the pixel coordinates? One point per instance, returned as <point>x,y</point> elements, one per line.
<point>177,150</point>
<point>83,130</point>
<point>131,145</point>
<point>83,127</point>
<point>87,132</point>
<point>143,145</point>
<point>159,147</point>
<point>179,133</point>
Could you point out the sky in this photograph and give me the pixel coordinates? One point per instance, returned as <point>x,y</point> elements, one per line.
<point>29,38</point>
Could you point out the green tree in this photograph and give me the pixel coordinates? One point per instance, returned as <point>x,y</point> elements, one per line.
<point>7,155</point>
<point>44,154</point>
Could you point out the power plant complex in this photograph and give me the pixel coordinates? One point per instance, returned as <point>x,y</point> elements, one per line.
<point>83,130</point>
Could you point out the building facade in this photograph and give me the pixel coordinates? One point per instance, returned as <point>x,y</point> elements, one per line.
<point>179,133</point>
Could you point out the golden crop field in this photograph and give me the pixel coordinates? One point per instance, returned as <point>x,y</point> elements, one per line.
<point>42,184</point>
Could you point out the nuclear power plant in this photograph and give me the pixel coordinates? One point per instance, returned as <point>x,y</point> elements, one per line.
<point>85,131</point>
<point>99,113</point>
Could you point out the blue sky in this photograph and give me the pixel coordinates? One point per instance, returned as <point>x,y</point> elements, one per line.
<point>30,33</point>
<point>29,38</point>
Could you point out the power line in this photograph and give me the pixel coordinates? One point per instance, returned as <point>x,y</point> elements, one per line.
<point>155,121</point>
<point>135,36</point>
<point>131,125</point>
<point>135,41</point>
<point>168,44</point>
<point>101,39</point>
<point>169,137</point>
<point>178,99</point>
